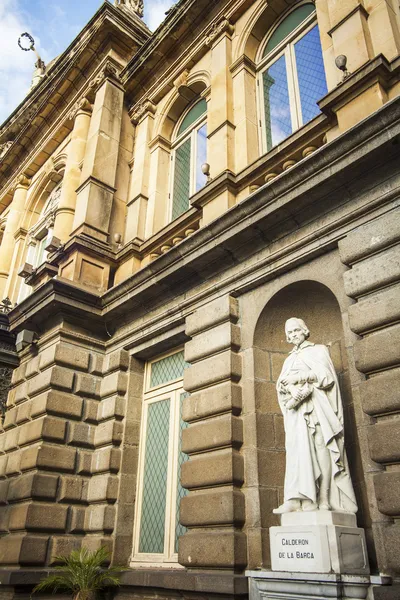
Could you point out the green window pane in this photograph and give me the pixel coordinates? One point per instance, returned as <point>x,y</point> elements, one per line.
<point>152,523</point>
<point>167,369</point>
<point>182,457</point>
<point>194,113</point>
<point>181,190</point>
<point>288,25</point>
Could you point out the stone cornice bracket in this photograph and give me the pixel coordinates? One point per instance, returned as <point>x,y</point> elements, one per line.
<point>110,72</point>
<point>83,105</point>
<point>223,26</point>
<point>4,148</point>
<point>22,181</point>
<point>136,112</point>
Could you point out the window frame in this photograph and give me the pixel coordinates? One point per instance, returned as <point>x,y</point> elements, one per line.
<point>178,140</point>
<point>285,48</point>
<point>172,391</point>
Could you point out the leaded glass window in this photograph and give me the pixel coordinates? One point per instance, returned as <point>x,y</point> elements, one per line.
<point>291,76</point>
<point>189,153</point>
<point>159,492</point>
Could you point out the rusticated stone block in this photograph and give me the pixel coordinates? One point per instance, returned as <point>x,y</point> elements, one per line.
<point>214,313</point>
<point>66,355</point>
<point>386,592</point>
<point>4,485</point>
<point>224,366</point>
<point>103,488</point>
<point>33,485</point>
<point>32,367</point>
<point>116,361</point>
<point>376,310</point>
<point>90,409</point>
<point>96,364</point>
<point>94,518</point>
<point>47,428</point>
<point>11,439</point>
<point>108,432</point>
<point>213,508</point>
<point>23,549</point>
<point>380,394</point>
<point>58,403</point>
<point>217,468</point>
<point>56,458</point>
<point>3,465</point>
<point>63,546</point>
<point>54,377</point>
<point>226,397</point>
<point>38,516</point>
<point>383,441</point>
<point>212,341</point>
<point>77,522</point>
<point>106,459</point>
<point>81,434</point>
<point>19,394</point>
<point>387,491</point>
<point>87,385</point>
<point>378,350</point>
<point>4,518</point>
<point>73,489</point>
<point>222,549</point>
<point>115,383</point>
<point>18,374</point>
<point>373,273</point>
<point>111,407</point>
<point>370,238</point>
<point>13,463</point>
<point>10,418</point>
<point>24,412</point>
<point>219,432</point>
<point>84,462</point>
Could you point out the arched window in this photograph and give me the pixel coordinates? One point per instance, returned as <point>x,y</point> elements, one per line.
<point>291,75</point>
<point>189,153</point>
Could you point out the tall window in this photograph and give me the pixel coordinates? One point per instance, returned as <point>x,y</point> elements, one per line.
<point>291,77</point>
<point>189,153</point>
<point>157,527</point>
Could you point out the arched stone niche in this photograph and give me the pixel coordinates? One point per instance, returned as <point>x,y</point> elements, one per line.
<point>318,306</point>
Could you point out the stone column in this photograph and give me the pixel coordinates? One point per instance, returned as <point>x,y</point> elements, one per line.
<point>244,98</point>
<point>214,510</point>
<point>372,254</point>
<point>80,115</point>
<point>160,164</point>
<point>143,118</point>
<point>97,187</point>
<point>13,222</point>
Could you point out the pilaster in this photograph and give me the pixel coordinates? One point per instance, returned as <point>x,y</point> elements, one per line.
<point>13,222</point>
<point>157,206</point>
<point>97,185</point>
<point>80,115</point>
<point>214,510</point>
<point>245,111</point>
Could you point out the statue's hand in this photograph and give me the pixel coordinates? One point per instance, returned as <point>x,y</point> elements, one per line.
<point>290,380</point>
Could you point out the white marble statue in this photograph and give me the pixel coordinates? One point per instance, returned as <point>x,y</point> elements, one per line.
<point>317,473</point>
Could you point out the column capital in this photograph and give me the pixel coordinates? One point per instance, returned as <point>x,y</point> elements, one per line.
<point>22,181</point>
<point>81,106</point>
<point>109,72</point>
<point>223,26</point>
<point>138,111</point>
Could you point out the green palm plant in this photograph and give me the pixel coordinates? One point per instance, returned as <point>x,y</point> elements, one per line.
<point>81,574</point>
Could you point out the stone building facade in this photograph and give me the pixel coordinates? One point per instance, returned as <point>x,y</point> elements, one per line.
<point>167,201</point>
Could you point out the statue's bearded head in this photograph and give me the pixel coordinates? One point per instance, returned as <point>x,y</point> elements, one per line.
<point>296,331</point>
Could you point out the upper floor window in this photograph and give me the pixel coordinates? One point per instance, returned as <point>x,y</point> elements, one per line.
<point>189,152</point>
<point>159,491</point>
<point>291,75</point>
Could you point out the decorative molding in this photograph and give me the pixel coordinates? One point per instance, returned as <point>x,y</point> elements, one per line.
<point>4,148</point>
<point>83,105</point>
<point>359,8</point>
<point>223,26</point>
<point>136,112</point>
<point>160,142</point>
<point>243,63</point>
<point>135,7</point>
<point>21,181</point>
<point>108,72</point>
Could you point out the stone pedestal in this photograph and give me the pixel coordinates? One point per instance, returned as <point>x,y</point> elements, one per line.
<point>267,585</point>
<point>319,542</point>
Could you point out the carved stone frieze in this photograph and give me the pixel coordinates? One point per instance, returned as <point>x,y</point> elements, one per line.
<point>109,71</point>
<point>217,29</point>
<point>4,148</point>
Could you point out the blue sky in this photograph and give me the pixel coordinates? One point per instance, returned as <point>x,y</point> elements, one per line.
<point>53,24</point>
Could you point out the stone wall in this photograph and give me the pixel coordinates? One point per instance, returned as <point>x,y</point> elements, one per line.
<point>61,452</point>
<point>372,254</point>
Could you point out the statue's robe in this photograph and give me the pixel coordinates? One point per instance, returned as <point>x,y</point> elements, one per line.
<point>324,407</point>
